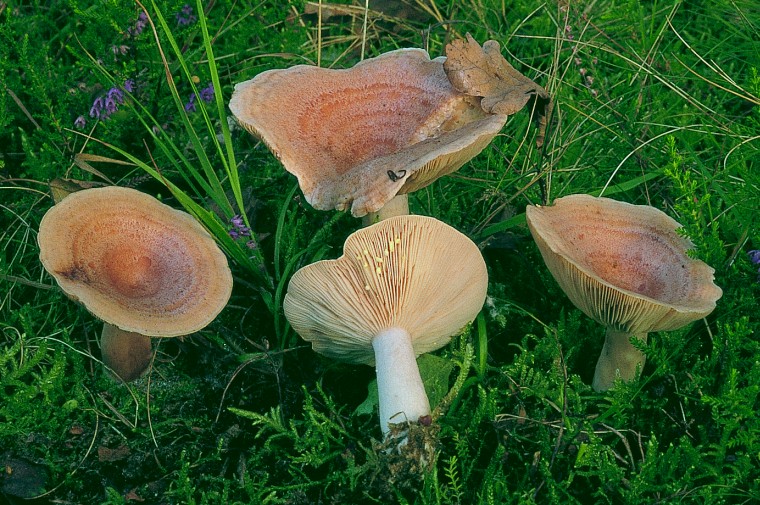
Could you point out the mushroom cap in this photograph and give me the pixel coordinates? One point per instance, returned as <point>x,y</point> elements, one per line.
<point>342,132</point>
<point>135,262</point>
<point>410,272</point>
<point>623,265</point>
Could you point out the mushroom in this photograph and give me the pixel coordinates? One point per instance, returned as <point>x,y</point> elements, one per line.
<point>403,287</point>
<point>142,267</point>
<point>626,267</point>
<point>358,137</point>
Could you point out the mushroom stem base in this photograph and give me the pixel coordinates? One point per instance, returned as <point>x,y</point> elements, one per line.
<point>619,358</point>
<point>396,206</point>
<point>401,394</point>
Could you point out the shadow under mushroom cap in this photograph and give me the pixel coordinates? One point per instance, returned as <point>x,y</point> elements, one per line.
<point>333,129</point>
<point>135,262</point>
<point>624,265</point>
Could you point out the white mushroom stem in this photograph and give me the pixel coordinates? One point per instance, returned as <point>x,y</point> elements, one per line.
<point>396,206</point>
<point>401,393</point>
<point>619,358</point>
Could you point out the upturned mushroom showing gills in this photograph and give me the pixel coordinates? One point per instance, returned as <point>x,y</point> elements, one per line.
<point>626,267</point>
<point>404,286</point>
<point>142,267</point>
<point>355,138</point>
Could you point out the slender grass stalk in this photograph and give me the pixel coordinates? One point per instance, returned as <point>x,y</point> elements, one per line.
<point>482,346</point>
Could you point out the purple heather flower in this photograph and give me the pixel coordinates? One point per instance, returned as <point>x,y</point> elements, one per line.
<point>111,106</point>
<point>207,93</point>
<point>190,105</point>
<point>97,107</point>
<point>142,21</point>
<point>251,244</point>
<point>80,123</point>
<point>120,50</point>
<point>236,234</point>
<point>239,229</point>
<point>754,256</point>
<point>129,85</point>
<point>116,95</point>
<point>185,16</point>
<point>105,105</point>
<point>237,221</point>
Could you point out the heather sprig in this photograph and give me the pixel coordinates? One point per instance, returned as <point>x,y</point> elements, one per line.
<point>106,104</point>
<point>139,26</point>
<point>186,16</point>
<point>238,229</point>
<point>206,94</point>
<point>754,257</point>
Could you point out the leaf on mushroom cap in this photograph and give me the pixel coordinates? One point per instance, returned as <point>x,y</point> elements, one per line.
<point>412,272</point>
<point>369,186</point>
<point>484,72</point>
<point>623,265</point>
<point>135,262</point>
<point>335,129</point>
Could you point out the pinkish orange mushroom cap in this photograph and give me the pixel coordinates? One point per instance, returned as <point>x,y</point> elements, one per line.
<point>357,137</point>
<point>135,262</point>
<point>633,253</point>
<point>393,273</point>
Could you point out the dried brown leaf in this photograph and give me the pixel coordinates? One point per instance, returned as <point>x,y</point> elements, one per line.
<point>61,188</point>
<point>106,454</point>
<point>484,72</point>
